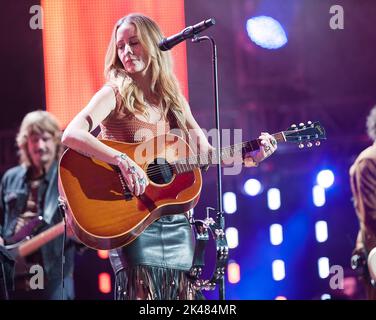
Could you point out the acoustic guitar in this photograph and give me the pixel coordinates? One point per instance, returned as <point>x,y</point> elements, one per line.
<point>101,211</point>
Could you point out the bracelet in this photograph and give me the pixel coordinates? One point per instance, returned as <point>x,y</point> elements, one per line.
<point>121,157</point>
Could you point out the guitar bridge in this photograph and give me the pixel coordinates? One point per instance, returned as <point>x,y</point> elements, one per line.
<point>126,193</point>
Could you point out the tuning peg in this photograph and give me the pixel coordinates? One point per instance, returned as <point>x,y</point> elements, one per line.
<point>310,123</point>
<point>317,143</point>
<point>293,127</point>
<point>301,145</point>
<point>309,144</point>
<point>301,124</point>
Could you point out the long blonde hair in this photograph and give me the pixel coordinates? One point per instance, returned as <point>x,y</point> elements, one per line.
<point>163,81</point>
<point>37,122</point>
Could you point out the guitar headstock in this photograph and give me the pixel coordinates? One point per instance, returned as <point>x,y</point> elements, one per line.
<point>305,134</point>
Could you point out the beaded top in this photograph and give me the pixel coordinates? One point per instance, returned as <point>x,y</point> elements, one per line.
<point>128,128</point>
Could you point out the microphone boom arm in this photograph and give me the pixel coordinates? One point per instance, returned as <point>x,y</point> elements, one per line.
<point>189,32</point>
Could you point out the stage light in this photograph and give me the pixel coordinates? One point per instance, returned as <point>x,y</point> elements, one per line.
<point>321,228</point>
<point>233,272</point>
<point>280,298</point>
<point>318,196</point>
<point>278,268</point>
<point>276,234</point>
<point>325,178</point>
<point>229,202</point>
<point>103,254</point>
<point>104,282</point>
<point>252,187</point>
<point>266,32</point>
<point>323,265</point>
<point>232,237</point>
<point>326,296</point>
<point>274,199</point>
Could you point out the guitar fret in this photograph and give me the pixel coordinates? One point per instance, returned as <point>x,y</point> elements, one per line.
<point>200,160</point>
<point>240,149</point>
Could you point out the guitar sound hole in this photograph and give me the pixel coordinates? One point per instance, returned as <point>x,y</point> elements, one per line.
<point>160,171</point>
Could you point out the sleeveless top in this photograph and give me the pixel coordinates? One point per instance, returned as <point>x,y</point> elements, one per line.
<point>167,242</point>
<point>128,128</point>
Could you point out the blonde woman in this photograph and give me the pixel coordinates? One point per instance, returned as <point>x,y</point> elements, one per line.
<point>141,94</point>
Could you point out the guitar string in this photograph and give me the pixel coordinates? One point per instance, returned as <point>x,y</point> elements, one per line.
<point>195,160</point>
<point>191,160</point>
<point>192,163</point>
<point>186,167</point>
<point>157,168</point>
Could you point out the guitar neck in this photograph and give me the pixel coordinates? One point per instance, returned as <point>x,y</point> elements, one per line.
<point>229,152</point>
<point>41,239</point>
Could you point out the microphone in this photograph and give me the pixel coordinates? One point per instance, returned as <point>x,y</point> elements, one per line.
<point>189,32</point>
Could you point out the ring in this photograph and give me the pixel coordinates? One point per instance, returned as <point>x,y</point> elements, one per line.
<point>121,157</point>
<point>132,169</point>
<point>266,148</point>
<point>141,181</point>
<point>274,142</point>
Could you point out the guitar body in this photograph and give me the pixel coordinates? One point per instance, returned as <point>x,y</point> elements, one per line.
<point>100,214</point>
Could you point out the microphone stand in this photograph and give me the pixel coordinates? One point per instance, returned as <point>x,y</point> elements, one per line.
<point>220,216</point>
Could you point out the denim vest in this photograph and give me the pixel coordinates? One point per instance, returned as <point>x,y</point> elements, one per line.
<point>13,196</point>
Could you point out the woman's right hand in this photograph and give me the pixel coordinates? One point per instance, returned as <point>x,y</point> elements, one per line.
<point>135,178</point>
<point>1,241</point>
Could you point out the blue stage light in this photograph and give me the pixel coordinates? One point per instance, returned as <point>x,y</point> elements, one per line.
<point>274,199</point>
<point>321,230</point>
<point>325,178</point>
<point>318,193</point>
<point>323,266</point>
<point>276,234</point>
<point>278,269</point>
<point>266,32</point>
<point>252,187</point>
<point>229,202</point>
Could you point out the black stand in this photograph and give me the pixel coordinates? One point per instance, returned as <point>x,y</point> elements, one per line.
<point>62,208</point>
<point>219,217</point>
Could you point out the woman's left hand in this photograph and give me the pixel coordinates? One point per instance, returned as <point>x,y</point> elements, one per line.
<point>268,145</point>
